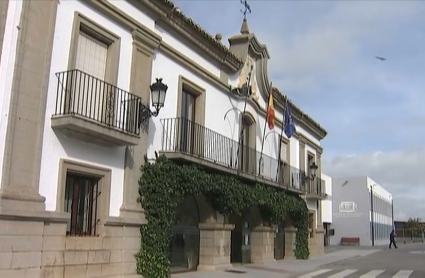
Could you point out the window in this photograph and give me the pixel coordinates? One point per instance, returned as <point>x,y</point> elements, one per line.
<point>94,61</point>
<point>90,93</point>
<point>187,121</point>
<point>190,117</point>
<point>81,195</point>
<point>91,55</point>
<point>284,171</point>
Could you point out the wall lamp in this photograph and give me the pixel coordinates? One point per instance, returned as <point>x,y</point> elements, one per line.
<point>158,92</point>
<point>313,170</point>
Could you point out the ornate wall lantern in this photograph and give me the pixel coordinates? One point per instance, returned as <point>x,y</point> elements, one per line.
<point>158,93</point>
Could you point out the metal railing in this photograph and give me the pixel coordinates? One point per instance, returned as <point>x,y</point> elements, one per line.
<point>84,95</point>
<point>315,186</point>
<point>408,236</point>
<point>182,135</point>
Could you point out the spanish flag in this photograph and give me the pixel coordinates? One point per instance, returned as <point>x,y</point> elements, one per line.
<point>270,110</point>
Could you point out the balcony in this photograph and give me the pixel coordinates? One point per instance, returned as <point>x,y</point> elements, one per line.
<point>185,140</point>
<point>95,111</point>
<point>315,188</point>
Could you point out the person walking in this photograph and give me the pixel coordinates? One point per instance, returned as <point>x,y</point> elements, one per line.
<point>392,241</point>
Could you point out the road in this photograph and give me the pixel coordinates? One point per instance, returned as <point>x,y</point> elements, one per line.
<point>408,261</point>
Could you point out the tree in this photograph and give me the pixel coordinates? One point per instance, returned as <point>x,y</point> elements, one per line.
<point>415,226</point>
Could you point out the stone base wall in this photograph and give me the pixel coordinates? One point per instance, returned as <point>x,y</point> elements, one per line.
<point>316,243</point>
<point>215,246</point>
<point>290,234</point>
<point>40,248</point>
<point>262,245</point>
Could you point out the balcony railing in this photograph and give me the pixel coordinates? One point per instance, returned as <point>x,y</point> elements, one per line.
<point>315,186</point>
<point>182,135</point>
<point>83,95</point>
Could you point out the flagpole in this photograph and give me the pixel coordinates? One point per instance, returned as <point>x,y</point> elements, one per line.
<point>280,139</point>
<point>264,130</point>
<point>243,113</point>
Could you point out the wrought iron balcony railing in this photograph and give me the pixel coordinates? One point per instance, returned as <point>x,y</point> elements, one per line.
<point>182,135</point>
<point>315,186</point>
<point>81,94</point>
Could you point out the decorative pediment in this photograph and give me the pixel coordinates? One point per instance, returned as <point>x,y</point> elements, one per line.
<point>255,56</point>
<point>249,49</point>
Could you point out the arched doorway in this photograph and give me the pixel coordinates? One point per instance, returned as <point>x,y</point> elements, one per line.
<point>184,246</point>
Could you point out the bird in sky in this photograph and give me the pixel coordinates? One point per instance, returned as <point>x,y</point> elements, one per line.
<point>380,58</point>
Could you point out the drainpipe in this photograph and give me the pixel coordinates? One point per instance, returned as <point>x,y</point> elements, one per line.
<point>371,216</point>
<point>392,213</point>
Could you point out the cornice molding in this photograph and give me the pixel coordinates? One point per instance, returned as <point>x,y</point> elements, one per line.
<point>169,16</point>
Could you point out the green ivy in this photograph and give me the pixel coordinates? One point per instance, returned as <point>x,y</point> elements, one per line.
<point>164,184</point>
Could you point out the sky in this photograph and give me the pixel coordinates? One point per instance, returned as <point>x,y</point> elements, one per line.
<point>323,59</point>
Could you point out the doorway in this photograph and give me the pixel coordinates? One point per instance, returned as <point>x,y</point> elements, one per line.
<point>184,245</point>
<point>279,242</point>
<point>240,252</point>
<point>327,228</point>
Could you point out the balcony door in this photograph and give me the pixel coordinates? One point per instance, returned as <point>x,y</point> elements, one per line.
<point>284,173</point>
<point>91,98</point>
<point>247,151</point>
<point>187,124</point>
<point>310,180</point>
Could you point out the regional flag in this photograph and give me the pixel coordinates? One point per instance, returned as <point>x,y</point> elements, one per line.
<point>270,110</point>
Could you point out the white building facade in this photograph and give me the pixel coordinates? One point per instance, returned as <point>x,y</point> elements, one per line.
<point>327,208</point>
<point>362,209</point>
<point>73,75</point>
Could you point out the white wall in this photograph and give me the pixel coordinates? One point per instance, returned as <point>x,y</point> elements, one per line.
<point>378,190</point>
<point>7,68</point>
<point>57,146</point>
<point>327,203</point>
<point>218,103</point>
<point>148,22</point>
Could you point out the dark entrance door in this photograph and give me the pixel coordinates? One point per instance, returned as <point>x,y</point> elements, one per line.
<point>241,239</point>
<point>184,245</point>
<point>246,243</point>
<point>279,242</point>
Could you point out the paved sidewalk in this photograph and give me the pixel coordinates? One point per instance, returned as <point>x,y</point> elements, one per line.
<point>283,268</point>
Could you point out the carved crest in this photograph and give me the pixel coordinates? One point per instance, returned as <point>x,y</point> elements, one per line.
<point>243,77</point>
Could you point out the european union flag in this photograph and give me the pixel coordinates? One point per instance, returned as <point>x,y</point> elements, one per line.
<point>289,122</point>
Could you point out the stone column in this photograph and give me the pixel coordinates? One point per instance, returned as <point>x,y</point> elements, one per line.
<point>144,44</point>
<point>262,244</point>
<point>215,246</point>
<point>25,120</point>
<point>320,240</point>
<point>290,233</point>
